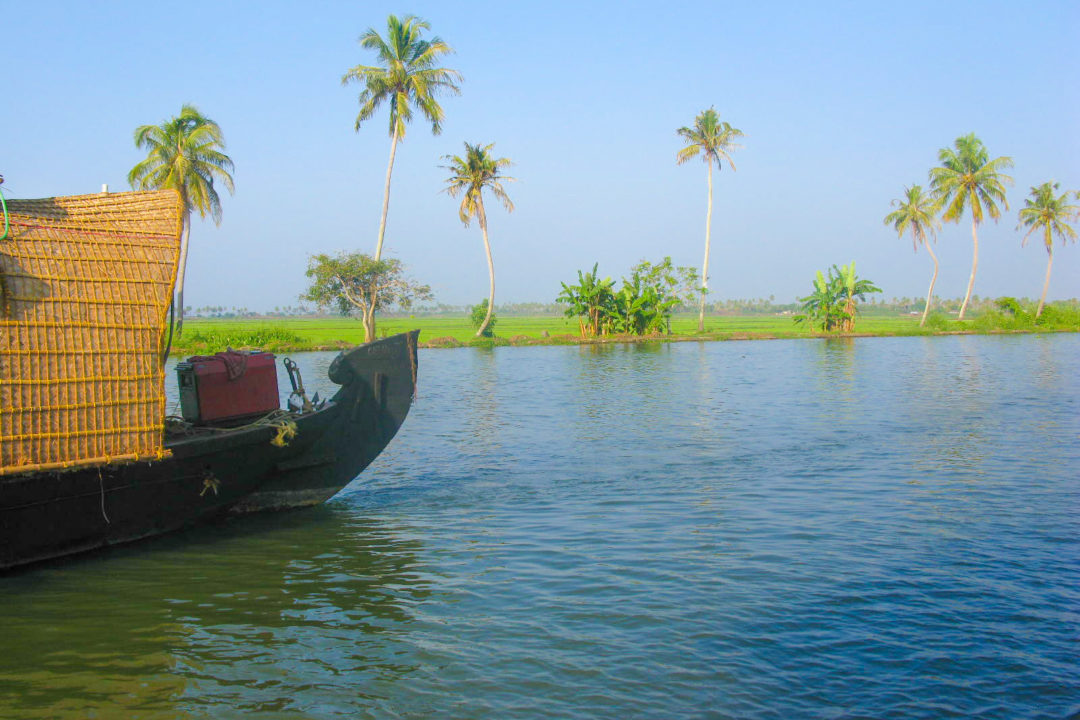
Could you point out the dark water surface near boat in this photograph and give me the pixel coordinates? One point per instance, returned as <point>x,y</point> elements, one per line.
<point>879,527</point>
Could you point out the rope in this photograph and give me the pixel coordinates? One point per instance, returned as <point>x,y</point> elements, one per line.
<point>7,222</point>
<point>410,341</point>
<point>281,420</point>
<point>168,344</point>
<point>101,483</point>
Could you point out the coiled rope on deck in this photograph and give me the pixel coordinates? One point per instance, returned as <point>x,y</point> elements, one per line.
<point>280,420</point>
<point>3,204</point>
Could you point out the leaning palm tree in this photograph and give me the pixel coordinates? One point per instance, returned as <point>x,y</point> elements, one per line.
<point>968,177</point>
<point>184,153</point>
<point>1051,213</point>
<point>917,214</point>
<point>712,139</point>
<point>479,169</point>
<point>406,78</point>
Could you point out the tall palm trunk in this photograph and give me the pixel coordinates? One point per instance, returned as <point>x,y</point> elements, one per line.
<point>386,195</point>
<point>491,268</point>
<point>930,293</point>
<point>705,265</point>
<point>369,313</point>
<point>180,272</point>
<point>1049,264</point>
<point>974,266</point>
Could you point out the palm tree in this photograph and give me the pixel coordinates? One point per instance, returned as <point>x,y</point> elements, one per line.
<point>917,214</point>
<point>968,177</point>
<point>479,169</point>
<point>1051,213</point>
<point>184,153</point>
<point>407,79</point>
<point>712,139</point>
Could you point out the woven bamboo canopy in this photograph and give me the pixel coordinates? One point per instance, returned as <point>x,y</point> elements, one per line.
<point>85,286</point>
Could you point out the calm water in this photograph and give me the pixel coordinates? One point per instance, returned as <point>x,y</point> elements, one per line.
<point>876,528</point>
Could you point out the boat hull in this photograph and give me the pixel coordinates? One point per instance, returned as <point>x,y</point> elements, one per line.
<point>51,514</point>
<point>377,388</point>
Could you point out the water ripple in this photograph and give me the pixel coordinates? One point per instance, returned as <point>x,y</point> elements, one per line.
<point>854,529</point>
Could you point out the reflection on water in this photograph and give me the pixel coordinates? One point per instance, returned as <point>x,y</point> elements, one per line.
<point>480,411</point>
<point>836,377</point>
<point>616,385</point>
<point>248,615</point>
<point>880,527</point>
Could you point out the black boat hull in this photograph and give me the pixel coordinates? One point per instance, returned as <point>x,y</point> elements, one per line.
<point>51,514</point>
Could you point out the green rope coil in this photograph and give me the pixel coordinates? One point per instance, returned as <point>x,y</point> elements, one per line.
<point>7,224</point>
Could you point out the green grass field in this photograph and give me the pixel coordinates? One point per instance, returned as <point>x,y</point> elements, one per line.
<point>285,334</point>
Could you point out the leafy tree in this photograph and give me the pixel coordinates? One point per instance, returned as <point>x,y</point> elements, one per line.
<point>481,316</point>
<point>673,283</point>
<point>184,153</point>
<point>917,214</point>
<point>647,298</point>
<point>357,283</point>
<point>590,301</point>
<point>470,175</point>
<point>406,78</point>
<point>712,139</point>
<point>1049,212</point>
<point>967,177</point>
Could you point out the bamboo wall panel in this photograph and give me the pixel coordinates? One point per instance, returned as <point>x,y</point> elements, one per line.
<point>85,286</point>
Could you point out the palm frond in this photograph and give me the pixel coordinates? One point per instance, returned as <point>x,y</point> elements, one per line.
<point>184,153</point>
<point>710,138</point>
<point>406,75</point>
<point>1045,210</point>
<point>471,174</point>
<point>967,177</point>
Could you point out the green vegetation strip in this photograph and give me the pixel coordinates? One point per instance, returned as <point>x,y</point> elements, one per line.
<point>299,334</point>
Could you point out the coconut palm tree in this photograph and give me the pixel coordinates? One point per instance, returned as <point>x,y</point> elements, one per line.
<point>917,214</point>
<point>712,139</point>
<point>1051,213</point>
<point>470,175</point>
<point>968,177</point>
<point>406,78</point>
<point>184,153</point>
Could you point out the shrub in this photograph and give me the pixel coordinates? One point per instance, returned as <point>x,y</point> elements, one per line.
<point>267,338</point>
<point>1060,316</point>
<point>477,313</point>
<point>939,321</point>
<point>443,342</point>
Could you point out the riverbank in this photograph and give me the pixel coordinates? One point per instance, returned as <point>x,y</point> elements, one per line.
<point>306,334</point>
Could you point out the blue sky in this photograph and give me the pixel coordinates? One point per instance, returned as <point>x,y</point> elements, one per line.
<point>842,104</point>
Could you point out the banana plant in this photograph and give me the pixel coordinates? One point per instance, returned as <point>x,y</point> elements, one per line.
<point>590,301</point>
<point>832,304</point>
<point>851,287</point>
<point>820,307</point>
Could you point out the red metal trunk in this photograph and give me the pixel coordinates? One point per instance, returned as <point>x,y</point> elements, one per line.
<point>208,395</point>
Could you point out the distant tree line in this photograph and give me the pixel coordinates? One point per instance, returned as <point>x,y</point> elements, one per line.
<point>186,152</point>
